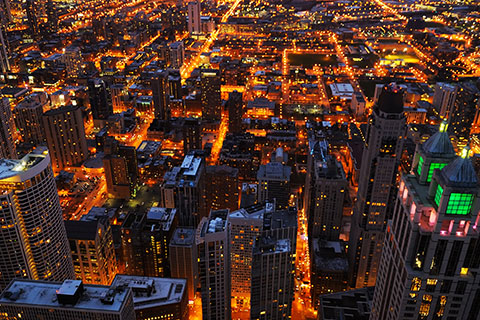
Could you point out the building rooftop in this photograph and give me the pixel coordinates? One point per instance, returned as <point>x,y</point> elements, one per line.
<point>81,230</point>
<point>161,217</point>
<point>268,245</point>
<point>347,305</point>
<point>274,171</point>
<point>14,170</point>
<point>150,292</point>
<point>391,99</point>
<point>439,145</point>
<point>45,294</point>
<point>460,172</point>
<point>183,237</point>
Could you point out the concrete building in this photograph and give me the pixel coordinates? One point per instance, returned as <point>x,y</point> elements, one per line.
<point>210,96</point>
<point>194,11</point>
<point>221,188</point>
<point>430,257</point>
<point>273,274</point>
<point>156,298</point>
<point>358,104</point>
<point>326,188</point>
<point>177,54</point>
<point>235,112</point>
<point>28,299</point>
<point>274,183</point>
<point>380,160</point>
<point>183,258</point>
<point>353,304</point>
<point>100,103</point>
<point>7,147</point>
<point>182,189</point>
<point>65,136</point>
<point>160,92</point>
<point>444,98</point>
<point>92,249</point>
<point>4,61</point>
<point>120,184</point>
<point>35,247</point>
<point>213,241</point>
<point>192,135</point>
<point>28,118</point>
<point>465,113</point>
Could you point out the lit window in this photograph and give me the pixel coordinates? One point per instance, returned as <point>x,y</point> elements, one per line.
<point>434,166</point>
<point>420,165</point>
<point>438,195</point>
<point>459,203</point>
<point>416,284</point>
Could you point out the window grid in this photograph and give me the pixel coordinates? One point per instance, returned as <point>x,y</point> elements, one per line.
<point>459,203</point>
<point>420,165</point>
<point>434,166</point>
<point>438,195</point>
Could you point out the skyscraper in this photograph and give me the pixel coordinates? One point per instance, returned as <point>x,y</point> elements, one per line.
<point>28,120</point>
<point>183,257</point>
<point>33,235</point>
<point>119,181</point>
<point>430,257</point>
<point>7,147</point>
<point>4,62</point>
<point>52,16</point>
<point>465,110</point>
<point>444,98</point>
<point>378,175</point>
<point>210,83</point>
<point>235,112</point>
<point>177,54</point>
<point>32,18</point>
<point>93,251</point>
<point>160,91</point>
<point>274,183</point>
<point>221,188</point>
<point>272,279</point>
<point>5,12</point>
<point>100,104</point>
<point>194,17</point>
<point>65,135</point>
<point>213,241</point>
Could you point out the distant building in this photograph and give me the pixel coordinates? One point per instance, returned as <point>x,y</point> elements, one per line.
<point>194,11</point>
<point>183,257</point>
<point>28,299</point>
<point>465,112</point>
<point>444,98</point>
<point>121,172</point>
<point>177,54</point>
<point>192,135</point>
<point>28,119</point>
<point>160,91</point>
<point>93,251</point>
<point>7,146</point>
<point>65,135</point>
<point>100,103</point>
<point>221,188</point>
<point>274,184</point>
<point>272,278</point>
<point>4,61</point>
<point>358,104</point>
<point>36,247</point>
<point>156,298</point>
<point>213,241</point>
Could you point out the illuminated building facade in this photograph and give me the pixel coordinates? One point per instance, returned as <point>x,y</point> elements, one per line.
<point>210,83</point>
<point>378,175</point>
<point>93,252</point>
<point>33,233</point>
<point>100,103</point>
<point>32,8</point>
<point>7,147</point>
<point>194,11</point>
<point>465,111</point>
<point>274,183</point>
<point>28,120</point>
<point>444,98</point>
<point>430,257</point>
<point>4,62</point>
<point>192,135</point>
<point>65,136</point>
<point>160,91</point>
<point>177,54</point>
<point>235,112</point>
<point>213,241</point>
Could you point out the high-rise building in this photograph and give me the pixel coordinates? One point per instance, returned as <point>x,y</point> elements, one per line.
<point>93,251</point>
<point>7,147</point>
<point>156,298</point>
<point>194,11</point>
<point>28,299</point>
<point>210,83</point>
<point>4,62</point>
<point>274,183</point>
<point>183,188</point>
<point>465,110</point>
<point>221,188</point>
<point>272,279</point>
<point>177,54</point>
<point>100,104</point>
<point>65,135</point>
<point>246,225</point>
<point>183,258</point>
<point>72,59</point>
<point>444,98</point>
<point>378,178</point>
<point>28,119</point>
<point>160,91</point>
<point>213,241</point>
<point>192,135</point>
<point>325,191</point>
<point>32,9</point>
<point>235,112</point>
<point>33,235</point>
<point>5,12</point>
<point>120,183</point>
<point>430,257</point>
